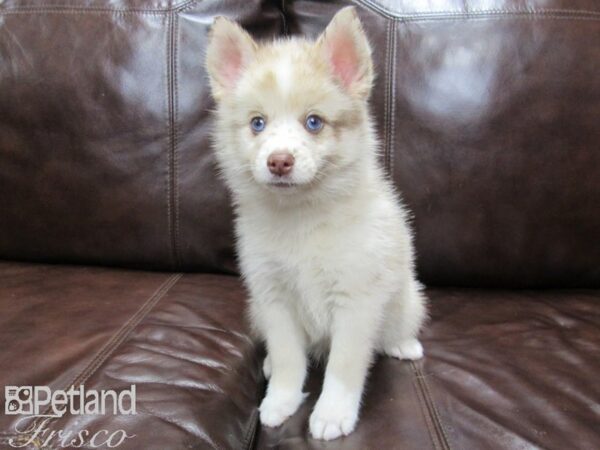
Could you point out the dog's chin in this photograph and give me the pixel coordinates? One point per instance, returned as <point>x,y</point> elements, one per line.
<point>285,187</point>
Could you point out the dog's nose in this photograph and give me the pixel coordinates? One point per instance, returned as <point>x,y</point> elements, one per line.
<point>280,163</point>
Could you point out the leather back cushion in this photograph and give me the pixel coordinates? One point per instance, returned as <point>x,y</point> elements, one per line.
<point>488,119</point>
<point>104,132</point>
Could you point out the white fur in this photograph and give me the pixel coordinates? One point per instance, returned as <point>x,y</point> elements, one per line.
<point>329,260</point>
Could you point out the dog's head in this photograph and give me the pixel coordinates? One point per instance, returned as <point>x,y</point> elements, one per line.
<point>291,114</point>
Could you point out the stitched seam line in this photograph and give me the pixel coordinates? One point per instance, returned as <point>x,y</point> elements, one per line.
<point>430,408</point>
<point>167,87</point>
<point>426,416</point>
<point>283,12</point>
<point>175,127</point>
<point>91,9</point>
<point>553,13</point>
<point>117,339</point>
<point>127,329</point>
<point>386,95</point>
<point>524,16</point>
<point>113,343</point>
<point>250,433</point>
<point>392,105</point>
<point>254,424</point>
<point>435,409</point>
<point>172,196</point>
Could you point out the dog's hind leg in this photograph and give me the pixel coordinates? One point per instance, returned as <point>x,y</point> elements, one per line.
<point>404,317</point>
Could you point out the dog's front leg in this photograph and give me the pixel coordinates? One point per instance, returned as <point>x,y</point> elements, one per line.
<point>286,347</point>
<point>352,340</point>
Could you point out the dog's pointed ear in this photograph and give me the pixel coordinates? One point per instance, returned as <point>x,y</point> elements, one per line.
<point>345,46</point>
<point>230,49</point>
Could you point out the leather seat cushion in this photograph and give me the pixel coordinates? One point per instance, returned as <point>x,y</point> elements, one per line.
<point>503,369</point>
<point>181,339</point>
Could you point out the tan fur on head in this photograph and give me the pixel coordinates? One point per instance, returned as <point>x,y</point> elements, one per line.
<point>343,46</point>
<point>284,82</point>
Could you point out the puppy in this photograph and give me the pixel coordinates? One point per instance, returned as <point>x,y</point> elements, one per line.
<point>322,239</point>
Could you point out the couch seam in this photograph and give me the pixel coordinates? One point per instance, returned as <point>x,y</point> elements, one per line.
<point>254,423</point>
<point>430,409</point>
<point>112,344</point>
<point>176,133</point>
<point>175,124</point>
<point>524,16</point>
<point>168,143</point>
<point>435,15</point>
<point>493,12</point>
<point>249,435</point>
<point>392,105</point>
<point>437,416</point>
<point>172,182</point>
<point>386,94</point>
<point>119,337</point>
<point>70,9</point>
<point>283,12</point>
<point>426,416</point>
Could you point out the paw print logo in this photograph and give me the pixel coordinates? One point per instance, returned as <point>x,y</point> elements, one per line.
<point>19,400</point>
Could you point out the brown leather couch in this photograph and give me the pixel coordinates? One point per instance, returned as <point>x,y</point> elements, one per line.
<point>115,233</point>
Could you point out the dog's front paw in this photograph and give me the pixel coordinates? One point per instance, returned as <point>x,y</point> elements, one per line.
<point>277,406</point>
<point>330,420</point>
<point>410,349</point>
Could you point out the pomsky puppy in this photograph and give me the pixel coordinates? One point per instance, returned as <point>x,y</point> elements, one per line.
<point>323,241</point>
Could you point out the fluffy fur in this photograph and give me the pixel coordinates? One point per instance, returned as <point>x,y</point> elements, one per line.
<point>325,251</point>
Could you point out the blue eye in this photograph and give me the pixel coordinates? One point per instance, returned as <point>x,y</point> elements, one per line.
<point>258,124</point>
<point>313,123</point>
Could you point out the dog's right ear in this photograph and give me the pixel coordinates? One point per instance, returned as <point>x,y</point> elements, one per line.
<point>229,50</point>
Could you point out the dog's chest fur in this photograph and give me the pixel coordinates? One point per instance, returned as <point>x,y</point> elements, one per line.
<point>318,258</point>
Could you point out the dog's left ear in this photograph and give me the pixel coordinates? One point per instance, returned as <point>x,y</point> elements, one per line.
<point>348,53</point>
<point>230,49</point>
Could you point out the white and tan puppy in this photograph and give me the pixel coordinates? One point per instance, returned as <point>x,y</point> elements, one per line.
<point>323,241</point>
